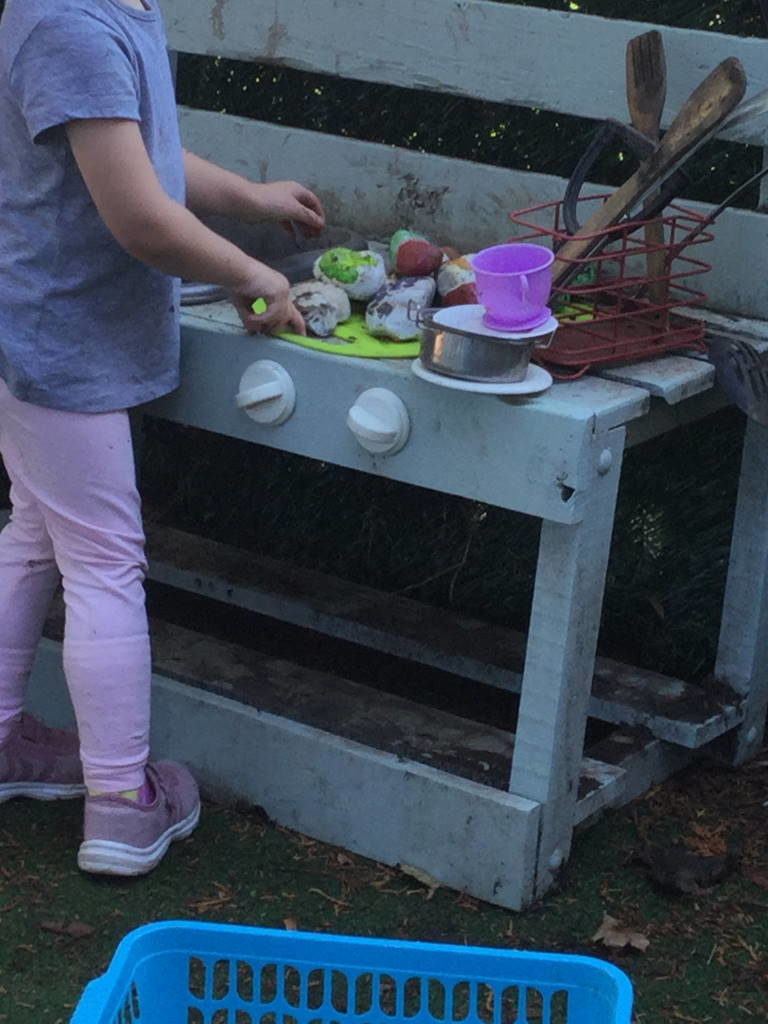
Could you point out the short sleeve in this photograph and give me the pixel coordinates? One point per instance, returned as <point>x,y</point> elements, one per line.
<point>73,67</point>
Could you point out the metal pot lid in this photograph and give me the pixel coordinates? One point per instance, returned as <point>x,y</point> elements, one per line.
<point>468,320</point>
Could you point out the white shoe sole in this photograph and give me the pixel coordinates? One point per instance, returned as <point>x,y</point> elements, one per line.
<point>41,790</point>
<point>103,857</point>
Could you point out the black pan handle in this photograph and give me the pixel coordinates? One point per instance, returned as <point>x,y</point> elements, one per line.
<point>608,133</point>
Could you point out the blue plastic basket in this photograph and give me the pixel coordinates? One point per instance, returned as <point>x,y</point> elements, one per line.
<point>181,972</point>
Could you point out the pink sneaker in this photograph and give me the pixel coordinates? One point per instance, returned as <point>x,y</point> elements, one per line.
<point>40,762</point>
<point>123,837</point>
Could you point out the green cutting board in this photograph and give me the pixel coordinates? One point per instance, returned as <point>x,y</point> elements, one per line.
<point>357,341</point>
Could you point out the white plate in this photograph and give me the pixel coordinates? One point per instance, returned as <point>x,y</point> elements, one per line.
<point>470,318</point>
<point>536,379</point>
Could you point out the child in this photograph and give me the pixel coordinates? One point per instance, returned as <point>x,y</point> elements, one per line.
<point>96,227</point>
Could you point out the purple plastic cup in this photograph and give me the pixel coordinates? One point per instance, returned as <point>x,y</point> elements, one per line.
<point>513,283</point>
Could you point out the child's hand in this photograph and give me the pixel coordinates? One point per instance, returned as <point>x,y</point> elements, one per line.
<point>290,203</point>
<point>280,313</point>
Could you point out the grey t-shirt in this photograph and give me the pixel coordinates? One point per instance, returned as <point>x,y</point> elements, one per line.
<point>83,325</point>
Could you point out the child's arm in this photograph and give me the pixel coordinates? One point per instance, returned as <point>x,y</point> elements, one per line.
<point>119,175</point>
<point>211,189</point>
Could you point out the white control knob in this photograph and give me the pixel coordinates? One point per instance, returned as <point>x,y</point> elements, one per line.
<point>379,421</point>
<point>267,393</point>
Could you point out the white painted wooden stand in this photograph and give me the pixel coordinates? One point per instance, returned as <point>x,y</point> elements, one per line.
<point>481,810</point>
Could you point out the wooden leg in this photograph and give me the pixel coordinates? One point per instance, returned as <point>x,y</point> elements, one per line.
<point>742,654</point>
<point>560,657</point>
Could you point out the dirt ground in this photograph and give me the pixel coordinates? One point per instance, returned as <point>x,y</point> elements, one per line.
<point>698,956</point>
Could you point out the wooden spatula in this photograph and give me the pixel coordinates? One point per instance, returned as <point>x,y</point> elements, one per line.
<point>646,82</point>
<point>699,118</point>
<point>646,93</point>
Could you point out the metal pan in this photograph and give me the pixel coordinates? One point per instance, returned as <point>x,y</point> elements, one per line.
<point>466,355</point>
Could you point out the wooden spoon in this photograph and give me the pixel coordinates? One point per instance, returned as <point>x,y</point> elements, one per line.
<point>698,120</point>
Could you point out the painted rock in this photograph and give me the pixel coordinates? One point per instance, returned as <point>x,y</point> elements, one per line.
<point>456,282</point>
<point>324,306</point>
<point>360,274</point>
<point>412,255</point>
<point>392,311</point>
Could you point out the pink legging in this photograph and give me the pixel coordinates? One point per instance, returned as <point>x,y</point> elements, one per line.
<point>76,512</point>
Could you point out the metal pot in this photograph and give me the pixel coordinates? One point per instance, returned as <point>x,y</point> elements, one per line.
<point>470,356</point>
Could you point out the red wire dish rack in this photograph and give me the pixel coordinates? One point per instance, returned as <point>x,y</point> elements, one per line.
<point>612,311</point>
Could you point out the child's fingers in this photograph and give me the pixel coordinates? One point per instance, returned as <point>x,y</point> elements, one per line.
<point>270,319</point>
<point>309,222</point>
<point>308,198</point>
<point>310,214</point>
<point>254,323</point>
<point>295,322</point>
<point>298,227</point>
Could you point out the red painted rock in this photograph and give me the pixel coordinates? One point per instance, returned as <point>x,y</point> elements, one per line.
<point>413,255</point>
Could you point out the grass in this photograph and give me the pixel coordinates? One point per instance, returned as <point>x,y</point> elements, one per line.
<point>706,961</point>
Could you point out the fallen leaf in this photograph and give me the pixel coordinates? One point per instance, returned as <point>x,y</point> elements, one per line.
<point>426,879</point>
<point>467,902</point>
<point>614,935</point>
<point>224,894</point>
<point>75,929</point>
<point>385,879</point>
<point>79,930</point>
<point>291,924</point>
<point>331,899</point>
<point>756,877</point>
<point>708,841</point>
<point>301,840</point>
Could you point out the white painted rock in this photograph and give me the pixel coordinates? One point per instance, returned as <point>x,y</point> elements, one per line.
<point>393,309</point>
<point>456,282</point>
<point>324,306</point>
<point>359,273</point>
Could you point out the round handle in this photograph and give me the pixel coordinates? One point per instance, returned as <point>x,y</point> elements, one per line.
<point>263,393</point>
<point>267,393</point>
<point>525,289</point>
<point>546,344</point>
<point>379,421</point>
<point>368,427</point>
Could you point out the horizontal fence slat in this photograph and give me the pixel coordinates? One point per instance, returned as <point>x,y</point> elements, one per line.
<point>506,53</point>
<point>376,189</point>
